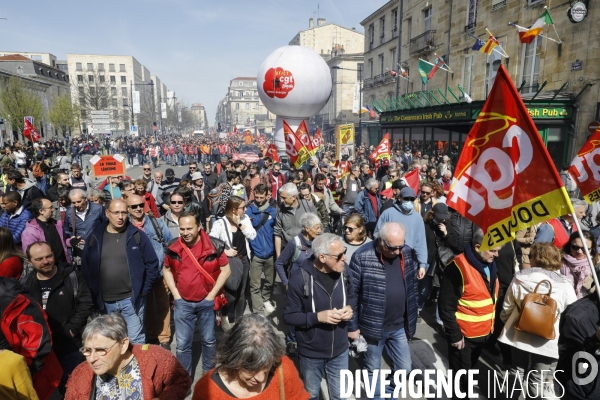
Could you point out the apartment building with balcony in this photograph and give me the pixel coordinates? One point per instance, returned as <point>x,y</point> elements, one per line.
<point>329,39</point>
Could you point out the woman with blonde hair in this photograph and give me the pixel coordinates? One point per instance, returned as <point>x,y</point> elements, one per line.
<point>235,229</point>
<point>530,353</point>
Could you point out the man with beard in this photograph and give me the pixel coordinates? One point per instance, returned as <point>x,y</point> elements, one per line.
<point>62,180</point>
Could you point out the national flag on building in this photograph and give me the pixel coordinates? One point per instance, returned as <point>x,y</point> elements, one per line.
<point>478,44</point>
<point>527,35</point>
<point>505,180</point>
<point>489,46</point>
<point>584,168</point>
<point>371,112</point>
<point>438,63</point>
<point>424,69</point>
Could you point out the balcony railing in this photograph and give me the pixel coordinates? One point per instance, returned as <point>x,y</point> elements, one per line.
<point>423,43</point>
<point>471,26</point>
<point>379,80</point>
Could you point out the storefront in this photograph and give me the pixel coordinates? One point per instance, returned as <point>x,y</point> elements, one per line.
<point>443,129</point>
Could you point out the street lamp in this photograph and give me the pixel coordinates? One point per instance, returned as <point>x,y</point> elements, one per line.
<point>359,70</point>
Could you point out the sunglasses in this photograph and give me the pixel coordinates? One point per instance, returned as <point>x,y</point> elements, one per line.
<point>146,169</point>
<point>338,257</point>
<point>349,228</point>
<point>177,202</point>
<point>409,198</point>
<point>136,206</point>
<point>576,248</point>
<point>392,248</point>
<point>424,192</point>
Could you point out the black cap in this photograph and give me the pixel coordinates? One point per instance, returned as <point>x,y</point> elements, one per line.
<point>441,212</point>
<point>169,172</point>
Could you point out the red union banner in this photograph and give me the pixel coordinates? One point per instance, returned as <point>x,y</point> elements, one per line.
<point>505,179</point>
<point>585,169</point>
<point>304,137</point>
<point>272,152</point>
<point>382,150</point>
<point>30,132</point>
<point>293,147</point>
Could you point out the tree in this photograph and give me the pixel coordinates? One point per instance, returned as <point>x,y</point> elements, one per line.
<point>63,114</point>
<point>17,100</point>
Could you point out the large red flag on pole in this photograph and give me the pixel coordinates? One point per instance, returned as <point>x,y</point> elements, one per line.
<point>304,137</point>
<point>382,150</point>
<point>505,179</point>
<point>272,152</point>
<point>317,142</point>
<point>585,171</point>
<point>295,150</point>
<point>30,132</point>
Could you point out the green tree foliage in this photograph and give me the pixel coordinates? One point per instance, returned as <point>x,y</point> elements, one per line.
<point>18,101</point>
<point>63,114</point>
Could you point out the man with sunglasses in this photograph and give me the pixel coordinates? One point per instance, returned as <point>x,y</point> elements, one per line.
<point>318,304</point>
<point>193,167</point>
<point>147,175</point>
<point>426,200</point>
<point>384,275</point>
<point>120,266</point>
<point>158,311</point>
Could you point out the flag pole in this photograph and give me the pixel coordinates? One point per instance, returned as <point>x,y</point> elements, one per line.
<point>497,51</point>
<point>499,46</point>
<point>585,247</point>
<point>440,67</point>
<point>554,26</point>
<point>541,34</point>
<point>442,60</point>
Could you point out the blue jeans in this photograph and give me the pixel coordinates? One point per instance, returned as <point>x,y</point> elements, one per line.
<point>396,346</point>
<point>425,286</point>
<point>130,159</point>
<point>133,314</point>
<point>290,336</point>
<point>311,372</point>
<point>186,313</point>
<point>140,158</point>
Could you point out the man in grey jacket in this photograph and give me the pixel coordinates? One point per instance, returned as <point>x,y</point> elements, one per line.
<point>289,212</point>
<point>320,186</point>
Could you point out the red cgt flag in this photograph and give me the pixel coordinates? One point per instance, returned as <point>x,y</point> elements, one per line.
<point>585,171</point>
<point>412,179</point>
<point>30,132</point>
<point>382,150</point>
<point>343,168</point>
<point>304,137</point>
<point>293,147</point>
<point>505,179</point>
<point>272,152</point>
<point>317,142</point>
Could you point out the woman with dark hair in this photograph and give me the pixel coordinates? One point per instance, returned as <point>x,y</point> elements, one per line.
<point>355,234</point>
<point>11,259</point>
<point>252,364</point>
<point>235,229</point>
<point>575,265</point>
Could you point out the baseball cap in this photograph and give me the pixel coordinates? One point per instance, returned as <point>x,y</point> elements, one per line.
<point>169,172</point>
<point>441,212</point>
<point>407,192</point>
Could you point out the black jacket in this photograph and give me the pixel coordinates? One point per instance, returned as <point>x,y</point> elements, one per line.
<point>65,312</point>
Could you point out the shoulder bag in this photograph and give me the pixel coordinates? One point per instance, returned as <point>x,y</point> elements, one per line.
<point>235,263</point>
<point>538,314</point>
<point>220,300</point>
<point>443,256</point>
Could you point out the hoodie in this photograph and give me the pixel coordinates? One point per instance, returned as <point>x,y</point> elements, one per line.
<point>524,283</point>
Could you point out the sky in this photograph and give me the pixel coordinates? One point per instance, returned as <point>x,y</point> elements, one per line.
<point>194,47</point>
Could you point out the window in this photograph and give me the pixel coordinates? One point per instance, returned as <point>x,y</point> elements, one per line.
<point>530,2</point>
<point>256,106</point>
<point>370,68</point>
<point>393,59</point>
<point>111,67</point>
<point>359,70</point>
<point>124,79</point>
<point>114,102</point>
<point>409,28</point>
<point>83,112</point>
<point>79,78</point>
<point>237,106</point>
<point>100,66</point>
<point>113,91</point>
<point>124,91</point>
<point>90,67</point>
<point>113,79</point>
<point>381,64</point>
<point>467,73</point>
<point>427,20</point>
<point>491,68</point>
<point>254,83</point>
<point>78,67</point>
<point>92,91</point>
<point>371,36</point>
<point>240,93</point>
<point>240,83</point>
<point>125,103</point>
<point>247,106</point>
<point>122,68</point>
<point>471,15</point>
<point>530,65</point>
<point>81,92</point>
<point>395,22</point>
<point>102,78</point>
<point>91,78</point>
<point>382,29</point>
<point>115,114</point>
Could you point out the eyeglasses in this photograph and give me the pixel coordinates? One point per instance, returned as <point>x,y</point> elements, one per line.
<point>146,169</point>
<point>242,207</point>
<point>392,248</point>
<point>136,206</point>
<point>337,257</point>
<point>576,248</point>
<point>408,198</point>
<point>86,351</point>
<point>349,228</point>
<point>117,213</point>
<point>177,202</point>
<point>423,192</point>
<point>193,168</point>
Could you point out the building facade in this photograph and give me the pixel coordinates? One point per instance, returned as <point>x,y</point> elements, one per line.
<point>200,112</point>
<point>329,39</point>
<point>555,80</point>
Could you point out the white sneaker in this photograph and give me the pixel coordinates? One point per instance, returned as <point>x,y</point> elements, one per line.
<point>268,307</point>
<point>225,324</point>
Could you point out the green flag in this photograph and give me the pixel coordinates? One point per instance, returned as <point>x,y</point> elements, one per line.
<point>424,69</point>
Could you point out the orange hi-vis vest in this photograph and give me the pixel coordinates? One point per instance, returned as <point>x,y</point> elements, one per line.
<point>476,308</point>
<point>561,235</point>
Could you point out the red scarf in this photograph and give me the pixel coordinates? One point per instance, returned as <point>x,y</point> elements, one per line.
<point>374,203</point>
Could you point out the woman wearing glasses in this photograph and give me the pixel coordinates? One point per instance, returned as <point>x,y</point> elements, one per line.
<point>355,234</point>
<point>116,369</point>
<point>575,265</point>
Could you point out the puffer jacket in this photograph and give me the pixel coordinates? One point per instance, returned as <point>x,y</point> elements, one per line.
<point>368,278</point>
<point>524,283</point>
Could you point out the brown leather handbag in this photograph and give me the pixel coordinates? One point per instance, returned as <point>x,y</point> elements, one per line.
<point>538,314</point>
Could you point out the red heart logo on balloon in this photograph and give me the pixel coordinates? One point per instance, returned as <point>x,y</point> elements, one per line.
<point>278,82</point>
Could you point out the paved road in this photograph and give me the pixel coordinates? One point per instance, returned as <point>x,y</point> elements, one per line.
<point>428,348</point>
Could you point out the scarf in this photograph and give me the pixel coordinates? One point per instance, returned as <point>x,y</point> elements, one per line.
<point>373,200</point>
<point>576,271</point>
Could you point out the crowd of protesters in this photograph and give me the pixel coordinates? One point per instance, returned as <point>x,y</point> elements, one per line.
<point>91,275</point>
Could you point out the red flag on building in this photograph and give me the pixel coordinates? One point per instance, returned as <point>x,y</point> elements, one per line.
<point>295,150</point>
<point>30,132</point>
<point>272,152</point>
<point>505,179</point>
<point>585,170</point>
<point>382,150</point>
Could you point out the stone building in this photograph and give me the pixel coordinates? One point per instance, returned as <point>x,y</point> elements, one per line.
<point>556,81</point>
<point>329,39</point>
<point>200,112</point>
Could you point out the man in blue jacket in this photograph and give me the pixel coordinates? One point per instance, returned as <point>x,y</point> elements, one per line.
<point>262,214</point>
<point>384,274</point>
<point>120,266</point>
<point>318,304</point>
<point>80,220</point>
